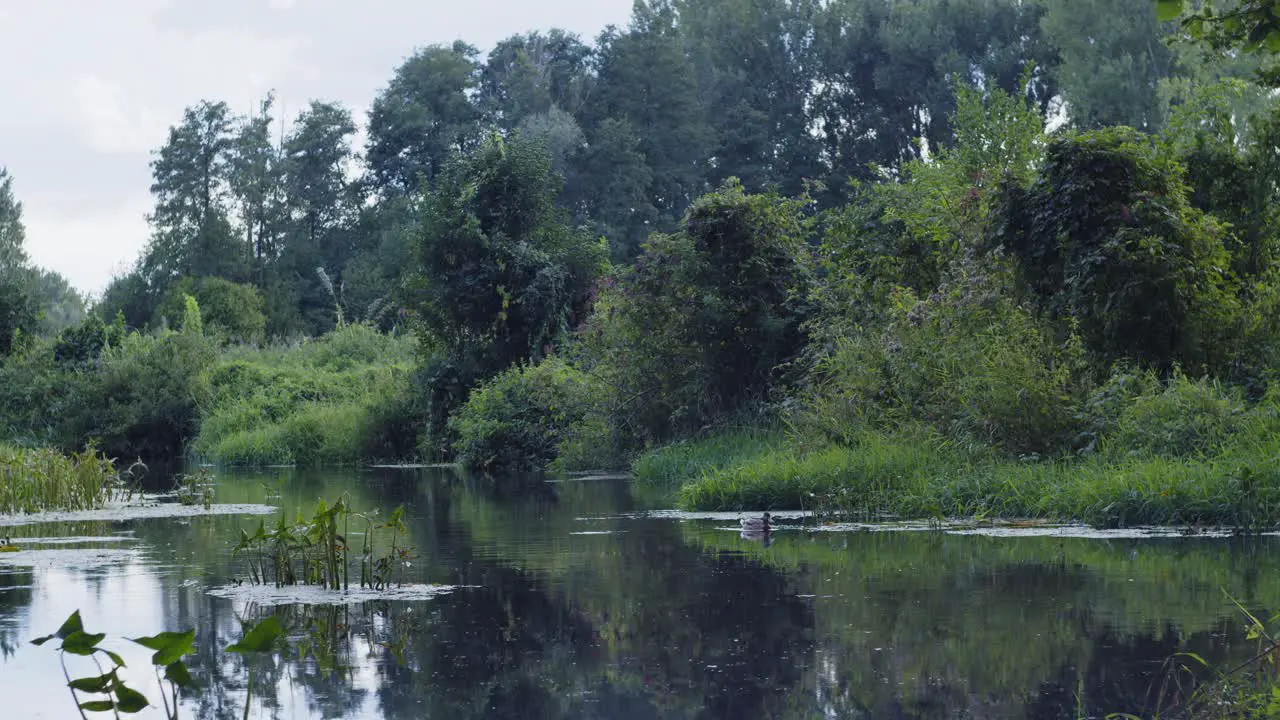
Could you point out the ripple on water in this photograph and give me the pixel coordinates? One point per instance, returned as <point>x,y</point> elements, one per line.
<point>268,595</point>
<point>120,512</point>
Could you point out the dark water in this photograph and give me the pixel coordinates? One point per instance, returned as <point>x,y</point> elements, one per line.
<point>571,608</point>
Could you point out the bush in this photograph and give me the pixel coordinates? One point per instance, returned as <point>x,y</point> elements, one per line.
<point>697,329</point>
<point>967,360</point>
<point>143,401</point>
<point>518,420</point>
<point>229,310</point>
<point>342,399</point>
<point>1185,418</point>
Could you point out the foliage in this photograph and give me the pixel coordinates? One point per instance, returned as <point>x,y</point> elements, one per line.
<point>1249,25</point>
<point>520,419</point>
<point>1106,235</point>
<point>340,400</point>
<point>37,480</point>
<point>230,310</point>
<point>696,329</point>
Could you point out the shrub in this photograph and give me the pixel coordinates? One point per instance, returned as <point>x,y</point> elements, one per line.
<point>518,420</point>
<point>1185,418</point>
<point>228,309</point>
<point>967,360</point>
<point>697,329</point>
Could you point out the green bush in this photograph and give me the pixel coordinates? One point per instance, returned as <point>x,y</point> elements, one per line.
<point>518,420</point>
<point>697,329</point>
<point>142,401</point>
<point>228,310</point>
<point>1187,418</point>
<point>967,360</point>
<point>341,399</point>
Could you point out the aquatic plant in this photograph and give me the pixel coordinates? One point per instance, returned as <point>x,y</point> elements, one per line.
<point>314,552</point>
<point>34,480</point>
<point>195,488</point>
<point>169,647</point>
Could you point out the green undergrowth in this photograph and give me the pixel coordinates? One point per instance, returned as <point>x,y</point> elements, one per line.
<point>337,400</point>
<point>673,464</point>
<point>911,476</point>
<point>35,480</point>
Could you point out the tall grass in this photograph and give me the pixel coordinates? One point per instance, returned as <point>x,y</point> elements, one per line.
<point>682,461</point>
<point>35,480</point>
<point>338,400</point>
<point>909,476</point>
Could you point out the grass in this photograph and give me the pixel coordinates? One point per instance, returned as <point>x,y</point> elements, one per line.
<point>316,403</point>
<point>913,476</point>
<point>36,480</point>
<point>675,463</point>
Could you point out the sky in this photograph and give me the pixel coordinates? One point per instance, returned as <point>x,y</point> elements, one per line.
<point>90,88</point>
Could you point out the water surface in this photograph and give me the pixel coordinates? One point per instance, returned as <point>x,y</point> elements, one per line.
<point>569,601</point>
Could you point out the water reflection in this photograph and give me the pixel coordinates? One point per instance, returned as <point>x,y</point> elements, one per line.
<point>569,610</point>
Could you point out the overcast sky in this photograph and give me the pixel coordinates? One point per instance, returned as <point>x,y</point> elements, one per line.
<point>90,88</point>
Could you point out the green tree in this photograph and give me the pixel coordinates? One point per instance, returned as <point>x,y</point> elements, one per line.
<point>1106,236</point>
<point>17,306</point>
<point>755,64</point>
<point>532,73</point>
<point>646,78</point>
<point>502,277</point>
<point>423,116</point>
<point>191,228</point>
<point>254,180</point>
<point>1112,61</point>
<point>697,328</point>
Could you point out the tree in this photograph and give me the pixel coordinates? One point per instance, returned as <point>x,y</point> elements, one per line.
<point>321,205</point>
<point>755,63</point>
<point>533,73</point>
<point>17,306</point>
<point>886,73</point>
<point>696,328</point>
<point>1106,237</point>
<point>191,229</point>
<point>254,182</point>
<point>1249,25</point>
<point>646,79</point>
<point>425,114</point>
<point>502,277</point>
<point>1112,61</point>
<point>13,234</point>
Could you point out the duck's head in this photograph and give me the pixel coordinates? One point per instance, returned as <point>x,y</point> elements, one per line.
<point>766,517</point>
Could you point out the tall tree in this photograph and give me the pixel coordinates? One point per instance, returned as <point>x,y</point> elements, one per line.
<point>13,235</point>
<point>1113,57</point>
<point>254,182</point>
<point>647,79</point>
<point>321,204</point>
<point>532,73</point>
<point>755,65</point>
<point>17,311</point>
<point>425,114</point>
<point>886,72</point>
<point>191,229</point>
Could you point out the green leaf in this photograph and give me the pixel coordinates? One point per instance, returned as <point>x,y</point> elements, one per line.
<point>114,657</point>
<point>70,626</point>
<point>259,638</point>
<point>1167,10</point>
<point>42,640</point>
<point>97,706</point>
<point>129,700</point>
<point>80,643</point>
<point>178,674</point>
<point>169,646</point>
<point>92,684</point>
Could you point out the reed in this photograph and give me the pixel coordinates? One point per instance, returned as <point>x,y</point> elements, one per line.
<point>38,479</point>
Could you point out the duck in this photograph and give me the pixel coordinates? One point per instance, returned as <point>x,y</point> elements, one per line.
<point>7,546</point>
<point>760,524</point>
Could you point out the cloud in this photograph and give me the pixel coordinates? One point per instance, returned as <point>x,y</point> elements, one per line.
<point>100,84</point>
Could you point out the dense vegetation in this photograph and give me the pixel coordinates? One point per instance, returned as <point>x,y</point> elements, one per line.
<point>923,258</point>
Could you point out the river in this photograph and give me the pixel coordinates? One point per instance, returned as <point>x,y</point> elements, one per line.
<point>569,600</point>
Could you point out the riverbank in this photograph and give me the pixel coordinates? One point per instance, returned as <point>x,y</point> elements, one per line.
<point>918,476</point>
